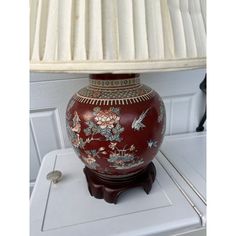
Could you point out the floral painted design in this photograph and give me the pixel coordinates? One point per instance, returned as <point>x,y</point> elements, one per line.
<point>74,130</point>
<point>106,119</point>
<point>76,127</point>
<point>112,146</point>
<point>91,156</point>
<point>137,123</point>
<point>152,144</point>
<point>123,158</point>
<point>90,162</point>
<point>96,153</point>
<point>106,123</point>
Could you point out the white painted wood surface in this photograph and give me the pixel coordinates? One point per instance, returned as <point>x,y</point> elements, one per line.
<point>50,93</point>
<point>197,232</point>
<point>67,209</point>
<point>187,153</point>
<point>184,158</point>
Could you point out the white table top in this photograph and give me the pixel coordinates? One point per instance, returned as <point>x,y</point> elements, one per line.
<point>184,158</point>
<point>187,153</point>
<point>67,209</point>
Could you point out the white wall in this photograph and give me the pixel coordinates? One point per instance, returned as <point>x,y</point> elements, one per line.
<point>49,94</point>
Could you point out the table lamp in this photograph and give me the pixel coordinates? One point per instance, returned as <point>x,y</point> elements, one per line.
<point>116,124</point>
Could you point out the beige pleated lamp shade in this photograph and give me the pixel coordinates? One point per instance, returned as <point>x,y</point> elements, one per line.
<point>117,36</point>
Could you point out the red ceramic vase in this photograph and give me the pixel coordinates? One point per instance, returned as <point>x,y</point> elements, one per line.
<point>116,125</point>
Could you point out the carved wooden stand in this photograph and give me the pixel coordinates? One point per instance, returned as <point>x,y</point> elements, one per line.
<point>110,189</point>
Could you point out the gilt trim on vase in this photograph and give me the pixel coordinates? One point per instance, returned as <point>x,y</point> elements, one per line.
<point>114,92</point>
<point>114,84</point>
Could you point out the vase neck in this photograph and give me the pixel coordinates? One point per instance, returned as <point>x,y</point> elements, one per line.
<point>114,80</point>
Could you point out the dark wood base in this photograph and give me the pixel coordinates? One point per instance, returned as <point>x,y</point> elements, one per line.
<point>110,189</point>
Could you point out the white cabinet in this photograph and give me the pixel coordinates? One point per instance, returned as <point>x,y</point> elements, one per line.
<point>174,205</point>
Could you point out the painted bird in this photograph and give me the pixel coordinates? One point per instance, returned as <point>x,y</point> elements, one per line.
<point>137,123</point>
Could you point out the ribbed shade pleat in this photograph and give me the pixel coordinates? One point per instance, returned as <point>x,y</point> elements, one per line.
<point>95,45</point>
<point>124,35</point>
<point>191,50</point>
<point>140,30</point>
<point>125,30</point>
<point>203,11</point>
<point>110,30</point>
<point>178,28</point>
<point>35,33</point>
<point>169,43</point>
<point>198,27</point>
<point>154,29</point>
<point>43,27</point>
<point>33,19</point>
<point>64,30</point>
<point>80,30</point>
<point>50,52</point>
